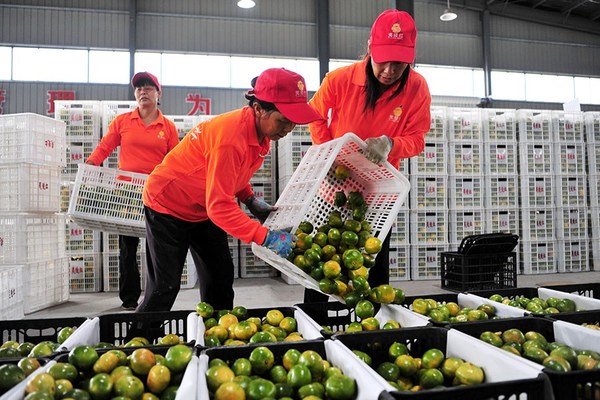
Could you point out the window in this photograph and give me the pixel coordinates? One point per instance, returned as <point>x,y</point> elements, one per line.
<point>30,64</point>
<point>549,88</point>
<point>109,66</point>
<point>508,85</point>
<point>5,62</point>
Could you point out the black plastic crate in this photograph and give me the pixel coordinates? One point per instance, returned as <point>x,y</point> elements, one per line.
<point>512,293</point>
<point>582,289</point>
<point>36,330</point>
<point>419,340</point>
<point>119,329</point>
<point>565,385</point>
<point>331,314</point>
<point>461,272</point>
<point>578,318</point>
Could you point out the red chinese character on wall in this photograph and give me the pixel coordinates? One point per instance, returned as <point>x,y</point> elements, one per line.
<point>2,100</point>
<point>58,95</point>
<point>201,106</point>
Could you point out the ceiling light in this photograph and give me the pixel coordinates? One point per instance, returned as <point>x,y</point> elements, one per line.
<point>249,3</point>
<point>448,14</point>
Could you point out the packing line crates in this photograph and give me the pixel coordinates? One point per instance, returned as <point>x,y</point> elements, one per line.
<point>184,123</point>
<point>538,256</point>
<point>85,272</point>
<point>501,191</point>
<point>400,231</point>
<point>400,262</point>
<point>82,119</point>
<point>45,283</point>
<point>31,237</point>
<point>573,255</point>
<point>425,260</point>
<point>501,158</point>
<point>429,192</point>
<point>433,160</point>
<point>11,292</point>
<point>29,188</point>
<point>466,191</point>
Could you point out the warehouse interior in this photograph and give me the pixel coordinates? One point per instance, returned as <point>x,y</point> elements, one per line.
<point>514,143</point>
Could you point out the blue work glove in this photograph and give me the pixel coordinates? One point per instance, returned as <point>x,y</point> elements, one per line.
<point>259,208</point>
<point>280,242</point>
<point>378,149</point>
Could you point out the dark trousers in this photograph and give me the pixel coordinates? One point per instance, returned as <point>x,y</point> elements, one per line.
<point>168,240</point>
<point>379,274</point>
<point>129,273</point>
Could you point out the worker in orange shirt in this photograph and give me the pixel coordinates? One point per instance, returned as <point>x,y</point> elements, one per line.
<point>190,198</point>
<point>145,136</point>
<point>383,101</point>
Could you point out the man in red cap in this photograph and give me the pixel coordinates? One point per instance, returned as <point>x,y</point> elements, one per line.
<point>144,136</point>
<point>190,198</point>
<point>383,101</point>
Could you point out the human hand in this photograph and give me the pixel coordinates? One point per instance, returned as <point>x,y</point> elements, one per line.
<point>259,208</point>
<point>378,149</point>
<point>280,242</point>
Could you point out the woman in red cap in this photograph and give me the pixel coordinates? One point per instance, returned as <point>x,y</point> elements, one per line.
<point>144,136</point>
<point>383,101</point>
<point>190,198</point>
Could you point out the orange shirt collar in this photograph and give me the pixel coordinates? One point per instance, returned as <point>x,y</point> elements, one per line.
<point>359,78</point>
<point>159,120</point>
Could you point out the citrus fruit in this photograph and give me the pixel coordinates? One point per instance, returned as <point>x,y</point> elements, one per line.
<point>28,364</point>
<point>262,359</point>
<point>129,386</point>
<point>314,362</point>
<point>169,339</point>
<point>312,257</point>
<point>62,370</point>
<point>469,374</point>
<point>372,245</point>
<point>361,285</point>
<point>369,324</point>
<point>204,309</point>
<point>340,387</point>
<point>491,338</point>
<point>513,335</point>
<point>217,375</point>
<point>83,357</point>
<point>303,241</point>
<point>364,357</point>
<point>260,389</point>
<point>10,375</point>
<point>391,324</point>
<point>383,294</point>
<point>241,366</point>
<point>42,382</point>
<point>64,334</point>
<point>25,348</point>
<point>364,309</point>
<point>227,320</point>
<point>407,366</point>
<point>352,259</point>
<point>334,236</point>
<point>313,391</point>
<point>327,285</point>
<point>388,370</point>
<point>306,227</point>
<point>556,363</point>
<point>141,360</point>
<point>290,358</point>
<point>106,362</point>
<point>230,391</point>
<point>449,367</point>
<point>217,331</point>
<point>263,337</point>
<point>289,324</point>
<point>244,330</point>
<point>100,386</point>
<point>42,349</point>
<point>341,172</point>
<point>62,387</point>
<point>299,375</point>
<point>432,358</point>
<point>396,349</point>
<point>332,269</point>
<point>158,378</point>
<point>178,357</point>
<point>421,306</point>
<point>430,378</point>
<point>354,327</point>
<point>349,238</point>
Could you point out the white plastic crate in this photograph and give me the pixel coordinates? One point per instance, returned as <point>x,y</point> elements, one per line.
<point>534,126</point>
<point>290,151</point>
<point>573,255</point>
<point>571,223</point>
<point>594,216</point>
<point>537,223</point>
<point>568,126</point>
<point>538,257</point>
<point>537,190</point>
<point>499,125</point>
<point>536,158</point>
<point>466,158</point>
<point>310,194</point>
<point>466,192</point>
<point>82,118</point>
<point>77,153</point>
<point>439,125</point>
<point>111,108</point>
<point>32,138</point>
<point>252,266</point>
<point>502,220</point>
<point>11,292</point>
<point>463,223</point>
<point>80,240</point>
<point>570,158</point>
<point>593,157</point>
<point>501,191</point>
<point>592,126</point>
<point>183,123</point>
<point>428,226</point>
<point>264,190</point>
<point>400,263</point>
<point>108,200</point>
<point>399,234</point>
<point>85,273</point>
<point>571,190</point>
<point>45,283</point>
<point>465,124</point>
<point>110,270</point>
<point>29,188</point>
<point>428,191</point>
<point>426,261</point>
<point>501,158</point>
<point>595,255</point>
<point>433,160</point>
<point>594,186</point>
<point>31,237</point>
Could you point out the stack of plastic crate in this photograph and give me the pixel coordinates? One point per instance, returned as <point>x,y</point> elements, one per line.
<point>183,123</point>
<point>110,109</point>
<point>82,245</point>
<point>592,129</point>
<point>32,156</point>
<point>570,179</point>
<point>536,172</point>
<point>501,173</point>
<point>428,200</point>
<point>466,183</point>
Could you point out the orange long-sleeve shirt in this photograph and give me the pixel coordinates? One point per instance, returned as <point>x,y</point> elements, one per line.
<point>212,165</point>
<point>405,119</point>
<point>142,147</point>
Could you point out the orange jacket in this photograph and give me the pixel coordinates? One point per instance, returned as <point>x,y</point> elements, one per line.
<point>142,147</point>
<point>405,119</point>
<point>201,178</point>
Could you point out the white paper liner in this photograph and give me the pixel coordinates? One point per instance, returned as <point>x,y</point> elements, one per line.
<point>502,310</point>
<point>202,385</point>
<point>403,315</point>
<point>307,326</point>
<point>576,336</point>
<point>88,333</point>
<point>582,302</point>
<point>188,387</point>
<point>17,392</point>
<point>192,327</point>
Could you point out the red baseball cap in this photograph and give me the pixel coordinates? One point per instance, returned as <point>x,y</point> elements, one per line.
<point>287,90</point>
<point>145,75</point>
<point>393,37</point>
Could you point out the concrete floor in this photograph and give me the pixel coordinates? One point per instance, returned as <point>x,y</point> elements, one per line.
<point>274,292</point>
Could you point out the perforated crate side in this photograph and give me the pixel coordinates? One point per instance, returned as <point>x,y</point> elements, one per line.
<point>571,190</point>
<point>501,158</point>
<point>32,138</point>
<point>31,237</point>
<point>534,126</point>
<point>570,158</point>
<point>112,108</point>
<point>85,273</point>
<point>466,158</point>
<point>571,223</point>
<point>536,158</point>
<point>183,123</point>
<point>82,118</point>
<point>80,240</point>
<point>426,261</point>
<point>400,263</point>
<point>537,190</point>
<point>428,192</point>
<point>45,283</point>
<point>428,226</point>
<point>464,124</point>
<point>466,192</point>
<point>501,191</point>
<point>252,266</point>
<point>537,223</point>
<point>478,272</point>
<point>438,129</point>
<point>592,126</point>
<point>11,293</point>
<point>593,157</point>
<point>29,188</point>
<point>433,160</point>
<point>502,220</point>
<point>110,270</point>
<point>463,223</point>
<point>400,233</point>
<point>595,254</point>
<point>538,257</point>
<point>264,190</point>
<point>499,125</point>
<point>591,290</point>
<point>594,190</point>
<point>290,150</point>
<point>568,126</point>
<point>77,153</point>
<point>573,255</point>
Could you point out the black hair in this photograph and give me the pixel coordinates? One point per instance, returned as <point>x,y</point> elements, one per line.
<point>145,81</point>
<point>373,89</point>
<point>253,99</point>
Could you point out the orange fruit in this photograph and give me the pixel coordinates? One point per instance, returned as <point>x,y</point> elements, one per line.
<point>370,324</point>
<point>158,378</point>
<point>353,259</point>
<point>289,324</point>
<point>260,388</point>
<point>227,320</point>
<point>373,245</point>
<point>314,362</point>
<point>432,358</point>
<point>332,269</point>
<point>120,371</point>
<point>431,378</point>
<point>218,332</point>
<point>178,357</point>
<point>204,309</point>
<point>384,294</point>
<point>262,359</point>
<point>28,364</point>
<point>298,376</point>
<point>64,334</point>
<point>244,330</point>
<point>364,309</point>
<point>242,366</point>
<point>106,362</point>
<point>10,375</point>
<point>62,370</point>
<point>129,386</point>
<point>141,361</point>
<point>230,391</point>
<point>274,317</point>
<point>407,366</point>
<point>42,382</point>
<point>290,358</point>
<point>83,357</point>
<point>340,387</point>
<point>217,375</point>
<point>100,386</point>
<point>62,387</point>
